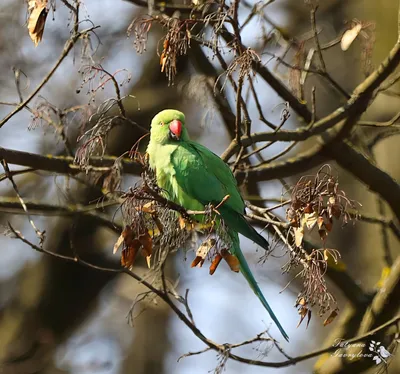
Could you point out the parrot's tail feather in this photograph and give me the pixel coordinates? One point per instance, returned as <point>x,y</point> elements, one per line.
<point>245,270</point>
<point>238,223</point>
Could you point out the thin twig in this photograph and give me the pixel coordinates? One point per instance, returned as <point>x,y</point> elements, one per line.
<point>67,48</point>
<point>40,234</point>
<point>316,39</point>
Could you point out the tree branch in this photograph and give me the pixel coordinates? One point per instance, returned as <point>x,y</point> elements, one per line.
<point>10,205</point>
<point>65,164</point>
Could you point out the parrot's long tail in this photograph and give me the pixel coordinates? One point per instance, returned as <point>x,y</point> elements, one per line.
<point>244,268</point>
<point>238,223</point>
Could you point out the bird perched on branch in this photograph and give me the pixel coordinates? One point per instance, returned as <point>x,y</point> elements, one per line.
<point>194,177</point>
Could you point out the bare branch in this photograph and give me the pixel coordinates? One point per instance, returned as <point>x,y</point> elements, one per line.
<point>40,234</point>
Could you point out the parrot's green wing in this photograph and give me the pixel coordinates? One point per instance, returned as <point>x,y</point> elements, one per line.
<point>202,175</point>
<point>205,176</point>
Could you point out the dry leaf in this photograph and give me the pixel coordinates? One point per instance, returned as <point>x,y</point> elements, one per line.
<point>217,259</point>
<point>132,246</point>
<point>129,254</point>
<point>301,302</point>
<point>331,317</point>
<point>304,311</point>
<point>310,219</point>
<point>198,261</point>
<point>334,208</point>
<point>322,234</point>
<point>328,223</point>
<point>320,222</point>
<point>163,57</point>
<point>309,318</point>
<point>349,36</point>
<point>321,231</point>
<point>127,234</point>
<point>231,260</point>
<point>308,208</point>
<point>37,19</point>
<point>182,223</point>
<point>118,243</point>
<point>147,247</point>
<point>202,252</point>
<point>163,61</point>
<point>148,261</point>
<point>298,235</point>
<point>147,243</point>
<point>148,208</point>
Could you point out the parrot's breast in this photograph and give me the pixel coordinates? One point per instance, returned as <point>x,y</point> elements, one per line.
<point>166,178</point>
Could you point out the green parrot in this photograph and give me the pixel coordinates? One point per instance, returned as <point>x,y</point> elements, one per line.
<point>193,177</point>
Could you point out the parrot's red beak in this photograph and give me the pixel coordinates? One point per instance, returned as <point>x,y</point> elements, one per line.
<point>175,128</point>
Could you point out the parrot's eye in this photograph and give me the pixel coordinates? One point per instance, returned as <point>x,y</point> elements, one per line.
<point>161,123</point>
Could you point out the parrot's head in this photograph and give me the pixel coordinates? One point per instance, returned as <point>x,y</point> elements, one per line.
<point>168,127</point>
